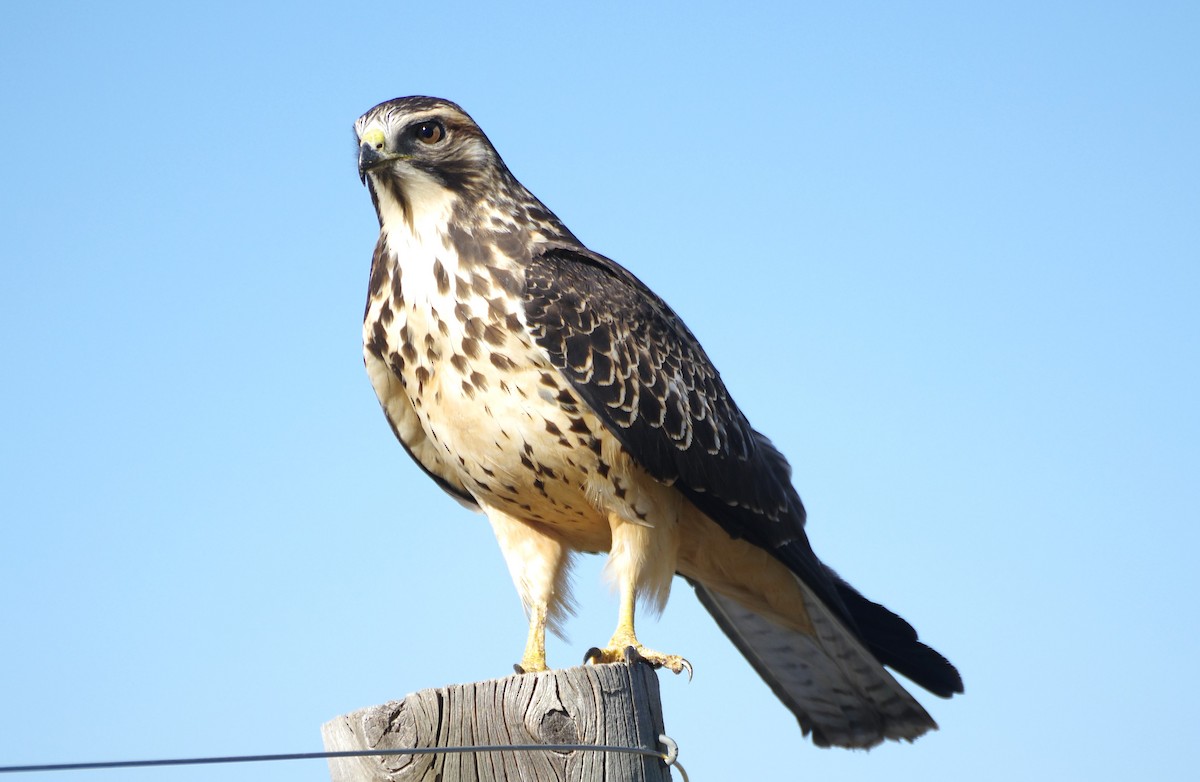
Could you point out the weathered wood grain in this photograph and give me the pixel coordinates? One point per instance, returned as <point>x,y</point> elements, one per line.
<point>613,705</point>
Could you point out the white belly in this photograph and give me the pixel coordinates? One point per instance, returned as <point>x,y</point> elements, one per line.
<point>483,407</point>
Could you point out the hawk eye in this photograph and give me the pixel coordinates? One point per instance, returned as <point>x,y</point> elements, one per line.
<point>430,132</point>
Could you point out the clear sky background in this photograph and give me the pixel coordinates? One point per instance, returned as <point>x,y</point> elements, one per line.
<point>947,257</point>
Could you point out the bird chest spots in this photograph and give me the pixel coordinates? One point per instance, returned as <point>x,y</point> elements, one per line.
<point>397,289</point>
<point>465,243</point>
<point>432,354</point>
<point>510,243</point>
<point>441,277</point>
<point>502,362</point>
<point>480,285</point>
<point>556,432</point>
<point>493,335</point>
<point>376,340</point>
<point>506,280</point>
<point>481,391</point>
<point>385,314</point>
<point>498,308</point>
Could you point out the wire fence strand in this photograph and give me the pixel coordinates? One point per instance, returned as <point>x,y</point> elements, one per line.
<point>669,757</point>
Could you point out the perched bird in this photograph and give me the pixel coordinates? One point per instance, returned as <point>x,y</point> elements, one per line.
<point>548,387</point>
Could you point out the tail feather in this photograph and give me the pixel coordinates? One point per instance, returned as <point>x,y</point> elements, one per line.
<point>838,690</point>
<point>894,643</point>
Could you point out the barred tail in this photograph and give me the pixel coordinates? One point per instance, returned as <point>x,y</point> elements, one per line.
<point>837,689</point>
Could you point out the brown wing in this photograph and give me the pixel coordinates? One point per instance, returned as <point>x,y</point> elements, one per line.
<point>642,371</point>
<point>632,359</point>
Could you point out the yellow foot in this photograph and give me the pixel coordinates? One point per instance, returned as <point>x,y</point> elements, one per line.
<point>531,666</point>
<point>633,652</point>
<point>532,662</point>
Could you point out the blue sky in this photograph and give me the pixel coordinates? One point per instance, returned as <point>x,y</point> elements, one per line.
<point>946,256</point>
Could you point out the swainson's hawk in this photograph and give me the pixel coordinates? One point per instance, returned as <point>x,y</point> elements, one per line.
<point>548,387</point>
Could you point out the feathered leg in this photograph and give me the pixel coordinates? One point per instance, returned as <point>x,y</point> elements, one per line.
<point>642,562</point>
<point>540,566</point>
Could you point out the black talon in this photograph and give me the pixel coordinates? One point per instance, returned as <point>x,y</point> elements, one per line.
<point>592,655</point>
<point>632,656</point>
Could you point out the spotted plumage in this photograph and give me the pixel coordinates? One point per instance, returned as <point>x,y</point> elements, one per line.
<point>546,386</point>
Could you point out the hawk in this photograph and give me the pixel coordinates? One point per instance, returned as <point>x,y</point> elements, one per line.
<point>546,386</point>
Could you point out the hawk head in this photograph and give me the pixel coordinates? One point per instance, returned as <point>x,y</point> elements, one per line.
<point>426,159</point>
<point>416,149</point>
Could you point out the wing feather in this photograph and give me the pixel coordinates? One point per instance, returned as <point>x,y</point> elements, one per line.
<point>666,403</point>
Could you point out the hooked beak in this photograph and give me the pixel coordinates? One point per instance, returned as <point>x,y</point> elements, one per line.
<point>372,151</point>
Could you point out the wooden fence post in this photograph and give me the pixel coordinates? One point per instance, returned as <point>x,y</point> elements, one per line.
<point>613,705</point>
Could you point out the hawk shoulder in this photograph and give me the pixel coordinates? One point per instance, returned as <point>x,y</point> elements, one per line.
<point>641,370</point>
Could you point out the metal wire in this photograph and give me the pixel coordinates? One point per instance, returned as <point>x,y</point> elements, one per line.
<point>669,757</point>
